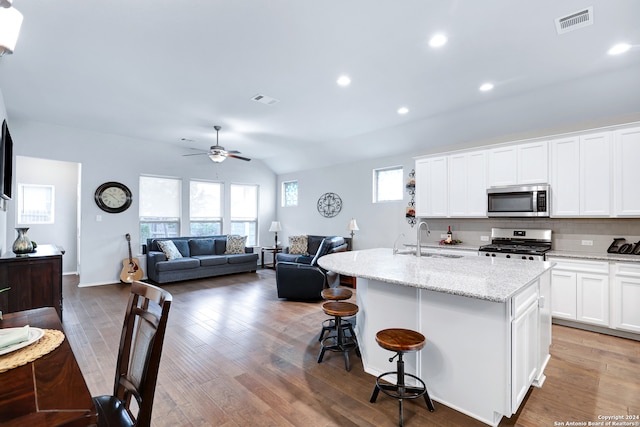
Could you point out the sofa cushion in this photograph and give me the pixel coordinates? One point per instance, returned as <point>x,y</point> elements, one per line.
<point>201,247</point>
<point>220,246</point>
<point>235,244</point>
<point>240,258</point>
<point>169,248</point>
<point>178,264</point>
<point>298,245</point>
<point>300,259</point>
<point>209,260</point>
<point>313,244</point>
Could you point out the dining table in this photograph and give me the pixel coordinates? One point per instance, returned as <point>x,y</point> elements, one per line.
<point>50,390</point>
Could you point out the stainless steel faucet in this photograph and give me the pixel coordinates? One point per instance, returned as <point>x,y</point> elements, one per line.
<point>420,224</point>
<point>395,244</point>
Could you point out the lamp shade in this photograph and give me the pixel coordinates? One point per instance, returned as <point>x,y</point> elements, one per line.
<point>275,226</point>
<point>353,225</point>
<point>10,23</point>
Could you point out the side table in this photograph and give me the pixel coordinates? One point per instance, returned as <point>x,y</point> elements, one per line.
<point>272,250</point>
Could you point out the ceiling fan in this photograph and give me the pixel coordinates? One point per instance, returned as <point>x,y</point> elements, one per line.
<point>217,153</point>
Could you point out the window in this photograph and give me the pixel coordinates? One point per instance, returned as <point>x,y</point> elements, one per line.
<point>159,207</point>
<point>35,204</point>
<point>387,184</point>
<point>244,211</point>
<point>205,208</point>
<point>289,193</point>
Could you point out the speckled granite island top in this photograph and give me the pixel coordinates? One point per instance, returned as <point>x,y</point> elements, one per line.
<point>476,277</point>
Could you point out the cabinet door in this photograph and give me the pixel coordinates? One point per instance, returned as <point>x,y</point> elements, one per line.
<point>525,341</point>
<point>502,166</point>
<point>458,190</point>
<point>533,163</point>
<point>626,298</point>
<point>431,187</point>
<point>565,177</point>
<point>595,174</point>
<point>476,184</point>
<point>593,298</point>
<point>563,294</point>
<point>625,172</point>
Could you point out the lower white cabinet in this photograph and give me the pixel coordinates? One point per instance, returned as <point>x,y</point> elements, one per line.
<point>525,342</point>
<point>580,291</point>
<point>626,297</point>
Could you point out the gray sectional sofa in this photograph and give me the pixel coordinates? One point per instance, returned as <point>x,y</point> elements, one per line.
<point>201,257</point>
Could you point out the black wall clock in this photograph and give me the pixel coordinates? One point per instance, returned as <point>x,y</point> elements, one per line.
<point>113,197</point>
<point>329,205</point>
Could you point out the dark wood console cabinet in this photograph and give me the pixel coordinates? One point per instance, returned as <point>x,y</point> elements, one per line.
<point>35,280</point>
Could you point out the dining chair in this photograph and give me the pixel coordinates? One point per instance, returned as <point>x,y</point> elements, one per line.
<point>138,360</point>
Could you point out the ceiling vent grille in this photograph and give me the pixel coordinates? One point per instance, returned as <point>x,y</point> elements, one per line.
<point>574,21</point>
<point>264,99</point>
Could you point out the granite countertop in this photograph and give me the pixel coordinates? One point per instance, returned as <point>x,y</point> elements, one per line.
<point>491,279</point>
<point>594,256</point>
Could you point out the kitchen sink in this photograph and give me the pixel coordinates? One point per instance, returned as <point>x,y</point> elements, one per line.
<point>412,252</point>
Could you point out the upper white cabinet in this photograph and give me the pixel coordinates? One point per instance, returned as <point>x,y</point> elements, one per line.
<point>581,176</point>
<point>468,184</point>
<point>626,158</point>
<point>431,187</point>
<point>518,164</point>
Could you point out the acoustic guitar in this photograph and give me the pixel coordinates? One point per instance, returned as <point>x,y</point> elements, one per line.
<point>131,270</point>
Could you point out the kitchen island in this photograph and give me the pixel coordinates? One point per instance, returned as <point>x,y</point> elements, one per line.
<point>487,323</point>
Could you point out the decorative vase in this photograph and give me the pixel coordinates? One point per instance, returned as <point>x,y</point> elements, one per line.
<point>22,245</point>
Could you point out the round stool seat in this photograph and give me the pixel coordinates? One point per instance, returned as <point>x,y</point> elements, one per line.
<point>400,340</point>
<point>336,294</point>
<point>339,308</point>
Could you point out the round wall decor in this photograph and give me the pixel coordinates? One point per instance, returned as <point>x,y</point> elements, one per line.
<point>329,205</point>
<point>113,197</point>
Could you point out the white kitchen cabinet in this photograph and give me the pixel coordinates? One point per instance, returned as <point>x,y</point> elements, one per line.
<point>518,164</point>
<point>580,291</point>
<point>626,157</point>
<point>467,184</point>
<point>580,176</point>
<point>625,307</point>
<point>525,342</point>
<point>431,187</point>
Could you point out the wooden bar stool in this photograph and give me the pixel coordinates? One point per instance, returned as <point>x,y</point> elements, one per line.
<point>401,341</point>
<point>336,294</point>
<point>339,342</point>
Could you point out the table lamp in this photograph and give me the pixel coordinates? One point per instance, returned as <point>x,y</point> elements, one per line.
<point>275,226</point>
<point>353,226</point>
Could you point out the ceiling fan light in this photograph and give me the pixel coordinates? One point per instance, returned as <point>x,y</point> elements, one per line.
<point>217,157</point>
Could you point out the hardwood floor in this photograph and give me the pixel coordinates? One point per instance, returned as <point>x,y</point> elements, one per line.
<point>236,355</point>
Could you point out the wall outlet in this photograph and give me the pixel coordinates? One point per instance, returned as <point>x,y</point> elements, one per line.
<point>98,218</point>
<point>484,238</point>
<point>587,243</point>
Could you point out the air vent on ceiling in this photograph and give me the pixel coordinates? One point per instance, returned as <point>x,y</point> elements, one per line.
<point>574,21</point>
<point>264,99</point>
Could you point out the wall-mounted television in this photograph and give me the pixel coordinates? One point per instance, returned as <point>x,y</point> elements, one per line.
<point>6,162</point>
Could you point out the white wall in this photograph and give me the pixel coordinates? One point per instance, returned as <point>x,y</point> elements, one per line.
<point>107,157</point>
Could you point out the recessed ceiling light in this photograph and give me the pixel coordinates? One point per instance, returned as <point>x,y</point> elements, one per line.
<point>486,87</point>
<point>403,110</point>
<point>619,48</point>
<point>438,40</point>
<point>344,81</point>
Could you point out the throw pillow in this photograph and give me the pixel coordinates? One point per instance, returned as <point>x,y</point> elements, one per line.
<point>169,249</point>
<point>298,245</point>
<point>235,244</point>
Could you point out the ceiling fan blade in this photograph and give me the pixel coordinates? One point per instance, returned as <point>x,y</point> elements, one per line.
<point>238,157</point>
<point>195,154</point>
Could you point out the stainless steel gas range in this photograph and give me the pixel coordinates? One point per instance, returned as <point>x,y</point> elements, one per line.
<point>518,244</point>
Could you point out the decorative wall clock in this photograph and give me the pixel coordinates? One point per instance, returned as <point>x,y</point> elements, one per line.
<point>113,197</point>
<point>329,205</point>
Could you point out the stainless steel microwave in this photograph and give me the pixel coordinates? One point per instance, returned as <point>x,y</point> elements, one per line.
<point>518,201</point>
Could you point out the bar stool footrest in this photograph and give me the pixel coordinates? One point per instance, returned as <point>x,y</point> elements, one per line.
<point>393,390</point>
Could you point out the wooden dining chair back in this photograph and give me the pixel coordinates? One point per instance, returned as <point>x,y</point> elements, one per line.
<point>138,360</point>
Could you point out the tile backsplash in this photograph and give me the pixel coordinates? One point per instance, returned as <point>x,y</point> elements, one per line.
<point>568,234</point>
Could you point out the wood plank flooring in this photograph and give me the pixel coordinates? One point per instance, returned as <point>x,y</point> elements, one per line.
<point>236,355</point>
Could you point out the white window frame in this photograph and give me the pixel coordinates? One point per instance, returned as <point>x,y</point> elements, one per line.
<point>47,207</point>
<point>250,221</point>
<point>284,200</point>
<point>152,221</point>
<point>376,185</point>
